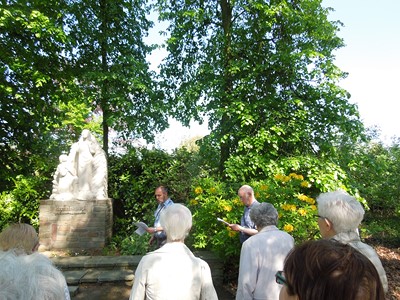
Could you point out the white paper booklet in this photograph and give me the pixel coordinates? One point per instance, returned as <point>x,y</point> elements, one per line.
<point>141,228</point>
<point>226,223</point>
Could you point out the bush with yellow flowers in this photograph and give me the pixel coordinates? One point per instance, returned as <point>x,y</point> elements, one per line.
<point>292,195</point>
<point>211,200</point>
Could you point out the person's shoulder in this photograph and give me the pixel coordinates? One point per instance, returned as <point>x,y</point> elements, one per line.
<point>203,263</point>
<point>168,202</point>
<point>38,258</point>
<point>364,248</point>
<point>287,236</point>
<point>151,256</point>
<point>255,202</point>
<point>276,232</point>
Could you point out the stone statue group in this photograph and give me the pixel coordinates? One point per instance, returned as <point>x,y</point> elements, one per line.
<point>82,174</point>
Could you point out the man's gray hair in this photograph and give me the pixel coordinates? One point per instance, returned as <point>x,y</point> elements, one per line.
<point>176,220</point>
<point>341,209</point>
<point>264,214</point>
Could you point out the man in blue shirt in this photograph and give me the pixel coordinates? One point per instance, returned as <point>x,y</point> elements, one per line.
<point>159,236</point>
<point>247,227</point>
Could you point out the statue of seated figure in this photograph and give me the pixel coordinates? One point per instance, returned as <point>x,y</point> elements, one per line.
<point>64,180</point>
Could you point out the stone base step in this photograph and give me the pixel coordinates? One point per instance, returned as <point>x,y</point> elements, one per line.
<point>107,269</point>
<point>73,290</point>
<point>76,277</point>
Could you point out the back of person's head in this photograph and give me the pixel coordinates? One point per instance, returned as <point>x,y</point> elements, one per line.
<point>176,220</point>
<point>25,277</point>
<point>264,214</point>
<point>330,270</point>
<point>342,209</point>
<point>19,236</point>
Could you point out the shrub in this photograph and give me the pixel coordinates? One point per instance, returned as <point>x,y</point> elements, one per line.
<point>21,204</point>
<point>292,195</point>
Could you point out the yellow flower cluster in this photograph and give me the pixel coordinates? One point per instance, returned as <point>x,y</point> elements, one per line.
<point>302,212</point>
<point>224,205</point>
<point>193,202</point>
<point>237,201</point>
<point>281,177</point>
<point>284,178</point>
<point>232,233</point>
<point>227,207</point>
<point>198,190</point>
<point>213,190</point>
<point>306,199</point>
<point>288,207</point>
<point>305,184</point>
<point>288,227</point>
<point>264,187</point>
<point>296,176</point>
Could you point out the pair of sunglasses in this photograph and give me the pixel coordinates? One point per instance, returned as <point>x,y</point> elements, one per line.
<point>280,278</point>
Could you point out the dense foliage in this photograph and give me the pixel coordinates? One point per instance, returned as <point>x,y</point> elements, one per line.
<point>262,72</point>
<point>261,69</point>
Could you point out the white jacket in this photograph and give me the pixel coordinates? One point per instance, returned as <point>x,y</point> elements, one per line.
<point>173,272</point>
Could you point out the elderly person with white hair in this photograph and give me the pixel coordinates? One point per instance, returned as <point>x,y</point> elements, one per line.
<point>339,215</point>
<point>172,271</point>
<point>30,276</point>
<point>262,255</point>
<point>24,273</point>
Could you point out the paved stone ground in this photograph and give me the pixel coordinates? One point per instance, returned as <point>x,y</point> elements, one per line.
<point>121,291</point>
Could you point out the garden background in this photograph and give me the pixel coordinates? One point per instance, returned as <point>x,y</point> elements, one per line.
<point>263,75</point>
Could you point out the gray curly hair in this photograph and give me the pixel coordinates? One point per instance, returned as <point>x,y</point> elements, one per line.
<point>264,214</point>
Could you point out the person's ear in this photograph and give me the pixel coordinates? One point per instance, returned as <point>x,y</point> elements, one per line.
<point>36,247</point>
<point>329,225</point>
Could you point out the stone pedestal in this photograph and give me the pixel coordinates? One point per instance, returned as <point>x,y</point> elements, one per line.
<point>75,225</point>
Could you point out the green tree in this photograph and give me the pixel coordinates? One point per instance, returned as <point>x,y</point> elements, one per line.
<point>263,72</point>
<point>373,169</point>
<point>33,82</point>
<point>108,55</point>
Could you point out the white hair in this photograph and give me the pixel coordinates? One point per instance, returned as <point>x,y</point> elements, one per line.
<point>176,220</point>
<point>341,209</point>
<point>30,277</point>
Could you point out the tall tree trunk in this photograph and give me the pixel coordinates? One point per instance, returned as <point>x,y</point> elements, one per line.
<point>225,144</point>
<point>104,67</point>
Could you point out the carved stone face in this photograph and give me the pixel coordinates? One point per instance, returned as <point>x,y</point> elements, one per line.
<point>85,134</point>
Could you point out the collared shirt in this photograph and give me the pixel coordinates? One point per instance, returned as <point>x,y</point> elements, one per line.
<point>262,255</point>
<point>160,235</point>
<point>246,221</point>
<point>353,239</point>
<point>173,272</point>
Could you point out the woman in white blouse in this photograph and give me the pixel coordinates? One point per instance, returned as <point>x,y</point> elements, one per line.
<point>172,271</point>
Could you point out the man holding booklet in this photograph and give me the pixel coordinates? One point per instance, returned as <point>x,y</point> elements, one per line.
<point>247,227</point>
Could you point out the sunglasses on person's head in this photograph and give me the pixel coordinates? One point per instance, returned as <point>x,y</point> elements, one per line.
<point>279,278</point>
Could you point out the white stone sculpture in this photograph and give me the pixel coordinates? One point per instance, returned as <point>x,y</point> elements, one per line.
<point>64,180</point>
<point>87,163</point>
